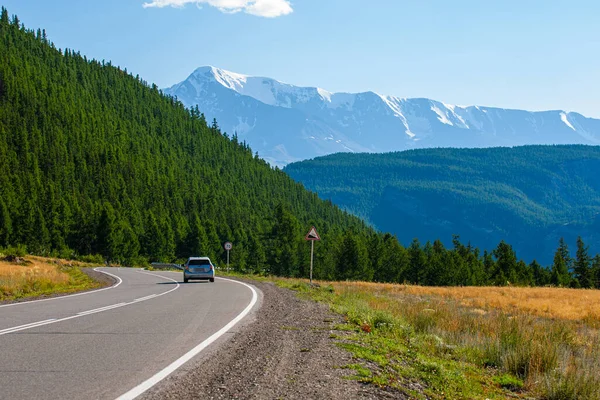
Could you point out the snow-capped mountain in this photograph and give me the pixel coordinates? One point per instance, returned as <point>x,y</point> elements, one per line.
<point>286,123</point>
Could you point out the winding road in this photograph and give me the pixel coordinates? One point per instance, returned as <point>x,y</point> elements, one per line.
<point>117,342</point>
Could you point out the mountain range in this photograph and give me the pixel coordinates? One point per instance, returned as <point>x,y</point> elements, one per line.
<point>286,123</point>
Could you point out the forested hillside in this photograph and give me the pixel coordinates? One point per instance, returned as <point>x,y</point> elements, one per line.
<point>95,161</point>
<point>527,196</point>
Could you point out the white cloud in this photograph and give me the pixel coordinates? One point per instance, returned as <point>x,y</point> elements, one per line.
<point>261,8</point>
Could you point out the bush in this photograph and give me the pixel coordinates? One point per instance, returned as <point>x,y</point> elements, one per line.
<point>92,259</point>
<point>509,382</point>
<point>14,251</point>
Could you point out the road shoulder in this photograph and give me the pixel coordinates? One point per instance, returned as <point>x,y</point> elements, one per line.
<point>286,352</point>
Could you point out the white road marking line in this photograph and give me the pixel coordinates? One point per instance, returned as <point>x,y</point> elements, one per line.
<point>145,298</point>
<point>144,386</point>
<point>85,313</point>
<point>101,309</point>
<point>70,295</point>
<point>31,325</point>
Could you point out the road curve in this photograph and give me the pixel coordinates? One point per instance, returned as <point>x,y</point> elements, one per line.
<point>113,342</point>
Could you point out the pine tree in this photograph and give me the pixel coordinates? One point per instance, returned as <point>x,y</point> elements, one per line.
<point>506,265</point>
<point>560,267</point>
<point>197,240</point>
<point>541,276</point>
<point>395,260</point>
<point>489,265</point>
<point>4,17</point>
<point>153,241</point>
<point>5,224</point>
<point>418,271</point>
<point>582,267</point>
<point>284,241</point>
<point>352,259</point>
<point>257,257</point>
<point>596,271</point>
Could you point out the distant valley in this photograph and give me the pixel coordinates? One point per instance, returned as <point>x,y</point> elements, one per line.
<point>527,196</point>
<point>286,123</point>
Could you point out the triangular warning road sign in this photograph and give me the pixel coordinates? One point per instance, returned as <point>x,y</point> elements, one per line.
<point>312,234</point>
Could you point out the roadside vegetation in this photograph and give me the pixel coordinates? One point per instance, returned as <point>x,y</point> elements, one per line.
<point>458,343</point>
<point>24,276</point>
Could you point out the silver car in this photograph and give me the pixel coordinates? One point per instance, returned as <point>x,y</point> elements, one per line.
<point>198,268</point>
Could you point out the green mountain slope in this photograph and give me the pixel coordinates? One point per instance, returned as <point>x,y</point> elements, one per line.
<point>528,196</point>
<point>94,160</point>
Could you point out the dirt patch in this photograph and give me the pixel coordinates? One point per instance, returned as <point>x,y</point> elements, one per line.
<point>287,352</point>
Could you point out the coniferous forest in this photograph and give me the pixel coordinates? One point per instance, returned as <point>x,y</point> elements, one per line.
<point>96,161</point>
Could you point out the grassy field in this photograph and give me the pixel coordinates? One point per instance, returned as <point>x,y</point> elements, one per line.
<point>468,343</point>
<point>571,304</point>
<point>31,276</point>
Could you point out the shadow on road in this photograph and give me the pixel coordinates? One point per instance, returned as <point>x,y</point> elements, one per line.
<point>182,283</point>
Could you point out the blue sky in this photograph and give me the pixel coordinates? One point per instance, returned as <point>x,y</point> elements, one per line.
<point>528,54</point>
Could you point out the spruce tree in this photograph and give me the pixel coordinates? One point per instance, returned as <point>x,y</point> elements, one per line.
<point>5,224</point>
<point>419,269</point>
<point>4,16</point>
<point>353,259</point>
<point>506,265</point>
<point>560,267</point>
<point>582,267</point>
<point>541,276</point>
<point>596,271</point>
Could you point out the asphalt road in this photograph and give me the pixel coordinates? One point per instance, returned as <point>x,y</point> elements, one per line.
<point>103,344</point>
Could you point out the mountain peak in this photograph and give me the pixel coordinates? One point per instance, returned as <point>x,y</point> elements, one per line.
<point>287,123</point>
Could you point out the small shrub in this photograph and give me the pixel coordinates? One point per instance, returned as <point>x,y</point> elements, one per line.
<point>509,382</point>
<point>92,259</point>
<point>15,251</point>
<point>382,320</point>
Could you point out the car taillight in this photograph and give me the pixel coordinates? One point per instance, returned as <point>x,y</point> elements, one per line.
<point>212,268</point>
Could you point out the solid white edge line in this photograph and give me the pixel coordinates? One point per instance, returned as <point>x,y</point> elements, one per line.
<point>70,295</point>
<point>144,386</point>
<point>26,326</point>
<point>85,313</point>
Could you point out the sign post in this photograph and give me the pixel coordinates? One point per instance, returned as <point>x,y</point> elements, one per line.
<point>312,236</point>
<point>228,246</point>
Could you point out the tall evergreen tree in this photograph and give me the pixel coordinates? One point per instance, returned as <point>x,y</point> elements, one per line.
<point>560,267</point>
<point>541,276</point>
<point>418,270</point>
<point>506,265</point>
<point>352,259</point>
<point>5,224</point>
<point>596,271</point>
<point>284,238</point>
<point>582,267</point>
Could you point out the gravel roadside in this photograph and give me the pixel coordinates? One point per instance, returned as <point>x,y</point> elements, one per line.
<point>286,352</point>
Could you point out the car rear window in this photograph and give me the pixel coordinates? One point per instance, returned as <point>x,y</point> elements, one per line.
<point>199,262</point>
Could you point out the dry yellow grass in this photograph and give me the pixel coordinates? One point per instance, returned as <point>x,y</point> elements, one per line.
<point>548,337</point>
<point>569,304</point>
<point>35,275</point>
